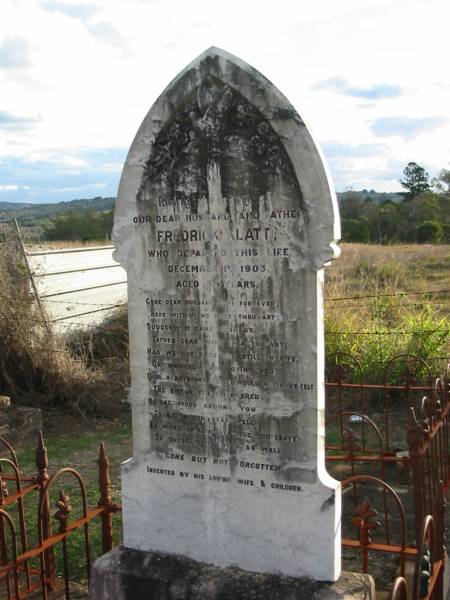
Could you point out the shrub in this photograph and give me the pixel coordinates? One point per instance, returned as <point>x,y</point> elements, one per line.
<point>84,226</point>
<point>429,232</point>
<point>355,230</point>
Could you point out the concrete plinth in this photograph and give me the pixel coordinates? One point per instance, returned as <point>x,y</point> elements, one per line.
<point>127,574</point>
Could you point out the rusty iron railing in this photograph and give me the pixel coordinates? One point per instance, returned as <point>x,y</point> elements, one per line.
<point>365,522</point>
<point>374,535</point>
<point>414,413</point>
<point>399,589</point>
<point>429,569</point>
<point>20,574</point>
<point>393,433</point>
<point>406,380</point>
<point>420,450</point>
<point>428,577</point>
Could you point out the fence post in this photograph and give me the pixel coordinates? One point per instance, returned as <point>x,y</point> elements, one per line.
<point>62,516</point>
<point>42,477</point>
<point>439,510</point>
<point>33,284</point>
<point>414,438</point>
<point>3,540</point>
<point>105,499</point>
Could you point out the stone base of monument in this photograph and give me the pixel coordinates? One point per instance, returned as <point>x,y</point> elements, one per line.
<point>126,574</point>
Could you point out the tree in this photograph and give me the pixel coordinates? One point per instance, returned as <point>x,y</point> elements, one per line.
<point>388,223</point>
<point>429,231</point>
<point>83,226</point>
<point>442,181</point>
<point>355,230</point>
<point>351,204</point>
<point>416,180</point>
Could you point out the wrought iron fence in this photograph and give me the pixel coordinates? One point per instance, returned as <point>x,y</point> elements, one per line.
<point>428,583</point>
<point>405,439</point>
<point>403,443</point>
<point>25,567</point>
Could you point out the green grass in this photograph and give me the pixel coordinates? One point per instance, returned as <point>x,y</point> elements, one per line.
<point>381,317</point>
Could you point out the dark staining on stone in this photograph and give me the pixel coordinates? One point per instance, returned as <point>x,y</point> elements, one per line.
<point>296,474</point>
<point>284,113</point>
<point>328,503</point>
<point>189,434</point>
<point>279,436</point>
<point>210,66</point>
<point>217,133</point>
<point>216,125</point>
<point>213,435</point>
<point>223,292</point>
<point>148,576</point>
<point>270,288</point>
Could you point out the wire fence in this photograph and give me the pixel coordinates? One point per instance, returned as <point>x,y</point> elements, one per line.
<point>51,286</point>
<point>388,295</point>
<point>72,284</point>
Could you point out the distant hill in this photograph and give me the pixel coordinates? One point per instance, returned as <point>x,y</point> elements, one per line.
<point>31,212</point>
<point>5,206</point>
<point>367,216</point>
<point>34,219</point>
<point>28,213</point>
<point>372,195</point>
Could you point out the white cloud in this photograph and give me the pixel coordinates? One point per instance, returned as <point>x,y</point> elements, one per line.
<point>15,52</point>
<point>93,69</point>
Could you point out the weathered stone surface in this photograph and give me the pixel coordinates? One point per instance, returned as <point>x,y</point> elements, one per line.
<point>19,424</point>
<point>224,220</point>
<point>125,574</point>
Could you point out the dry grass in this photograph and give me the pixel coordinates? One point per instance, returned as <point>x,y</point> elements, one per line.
<point>364,268</point>
<point>44,246</point>
<point>105,345</point>
<point>386,300</point>
<point>37,366</point>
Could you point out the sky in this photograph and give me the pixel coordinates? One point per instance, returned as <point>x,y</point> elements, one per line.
<point>371,79</point>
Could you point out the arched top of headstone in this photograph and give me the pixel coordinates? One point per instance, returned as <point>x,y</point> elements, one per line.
<point>224,219</point>
<point>220,114</point>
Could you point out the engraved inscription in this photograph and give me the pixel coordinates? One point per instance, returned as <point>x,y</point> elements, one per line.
<point>221,213</point>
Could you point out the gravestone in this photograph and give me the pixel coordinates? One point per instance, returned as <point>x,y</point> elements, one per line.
<point>224,221</point>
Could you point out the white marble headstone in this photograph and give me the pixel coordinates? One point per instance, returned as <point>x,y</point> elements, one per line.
<point>224,221</point>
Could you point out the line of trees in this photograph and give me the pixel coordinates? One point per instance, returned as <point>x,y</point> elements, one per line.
<point>422,214</point>
<point>84,226</point>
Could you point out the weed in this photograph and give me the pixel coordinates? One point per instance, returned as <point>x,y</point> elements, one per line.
<point>381,318</point>
<point>36,365</point>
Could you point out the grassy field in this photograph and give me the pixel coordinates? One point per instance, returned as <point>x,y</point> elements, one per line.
<point>379,301</point>
<point>364,269</point>
<point>386,300</point>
